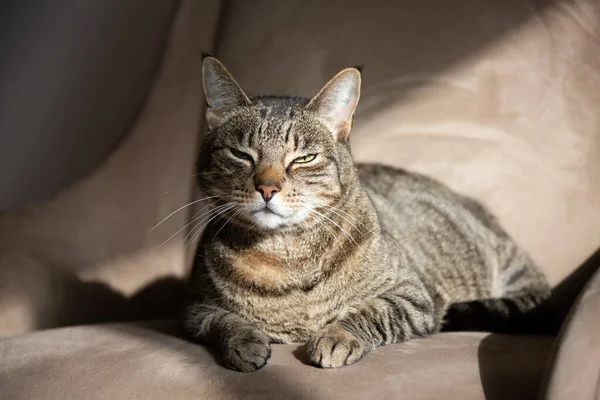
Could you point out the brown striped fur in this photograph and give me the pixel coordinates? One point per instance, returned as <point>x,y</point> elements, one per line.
<point>344,257</point>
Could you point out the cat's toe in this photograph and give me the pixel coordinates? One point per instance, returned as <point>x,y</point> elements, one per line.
<point>335,347</point>
<point>247,351</point>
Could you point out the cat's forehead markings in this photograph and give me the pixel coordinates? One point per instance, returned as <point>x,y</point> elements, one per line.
<point>266,111</point>
<point>273,133</point>
<point>263,125</point>
<point>274,125</point>
<point>287,129</point>
<point>283,131</point>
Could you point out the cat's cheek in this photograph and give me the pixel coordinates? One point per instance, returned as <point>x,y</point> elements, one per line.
<point>300,216</point>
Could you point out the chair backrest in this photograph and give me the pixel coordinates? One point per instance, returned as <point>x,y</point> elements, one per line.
<point>90,254</point>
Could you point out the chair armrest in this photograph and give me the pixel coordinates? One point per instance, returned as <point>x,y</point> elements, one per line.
<point>575,369</point>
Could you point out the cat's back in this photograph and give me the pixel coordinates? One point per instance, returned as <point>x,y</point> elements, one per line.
<point>407,201</point>
<point>401,187</point>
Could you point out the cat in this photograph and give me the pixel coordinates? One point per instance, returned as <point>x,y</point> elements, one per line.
<point>302,245</point>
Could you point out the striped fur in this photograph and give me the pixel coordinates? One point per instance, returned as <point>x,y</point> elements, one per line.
<point>351,257</point>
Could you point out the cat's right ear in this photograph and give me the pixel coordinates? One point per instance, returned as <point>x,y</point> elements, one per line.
<point>222,92</point>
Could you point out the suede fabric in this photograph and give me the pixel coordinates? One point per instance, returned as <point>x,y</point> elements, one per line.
<point>149,361</point>
<point>73,78</point>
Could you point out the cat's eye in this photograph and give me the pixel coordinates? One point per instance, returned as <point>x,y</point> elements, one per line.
<point>305,159</point>
<point>241,155</point>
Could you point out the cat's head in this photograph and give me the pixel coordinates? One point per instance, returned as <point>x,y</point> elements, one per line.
<point>273,161</point>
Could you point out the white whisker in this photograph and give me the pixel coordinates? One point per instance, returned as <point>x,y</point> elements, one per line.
<point>199,231</point>
<point>226,222</point>
<point>342,214</point>
<point>195,218</point>
<point>339,227</point>
<point>342,230</point>
<point>333,235</point>
<point>179,209</point>
<point>206,216</point>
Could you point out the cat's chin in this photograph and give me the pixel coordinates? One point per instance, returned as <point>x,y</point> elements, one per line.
<point>267,219</point>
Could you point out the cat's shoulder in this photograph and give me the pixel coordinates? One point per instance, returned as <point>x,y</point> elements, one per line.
<point>373,174</point>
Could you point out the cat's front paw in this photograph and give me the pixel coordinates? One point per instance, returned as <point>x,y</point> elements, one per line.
<point>247,350</point>
<point>334,347</point>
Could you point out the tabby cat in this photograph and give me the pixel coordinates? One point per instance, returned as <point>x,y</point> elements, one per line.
<point>302,245</point>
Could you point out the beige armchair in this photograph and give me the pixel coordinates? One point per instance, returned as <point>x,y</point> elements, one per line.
<point>498,99</point>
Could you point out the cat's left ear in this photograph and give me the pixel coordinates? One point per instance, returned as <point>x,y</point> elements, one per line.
<point>336,102</point>
<point>223,93</point>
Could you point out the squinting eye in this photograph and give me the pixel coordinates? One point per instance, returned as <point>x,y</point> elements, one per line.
<point>305,159</point>
<point>241,154</point>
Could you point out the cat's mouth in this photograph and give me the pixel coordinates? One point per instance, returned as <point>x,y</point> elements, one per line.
<point>267,211</point>
<point>274,214</point>
<point>268,216</point>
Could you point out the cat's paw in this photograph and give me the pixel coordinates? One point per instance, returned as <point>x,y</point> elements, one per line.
<point>334,347</point>
<point>247,350</point>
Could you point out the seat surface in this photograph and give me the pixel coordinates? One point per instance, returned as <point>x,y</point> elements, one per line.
<point>150,361</point>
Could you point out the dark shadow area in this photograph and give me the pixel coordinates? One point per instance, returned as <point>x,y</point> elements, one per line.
<point>547,319</point>
<point>93,302</point>
<point>489,315</point>
<point>531,358</point>
<point>512,366</point>
<point>564,298</point>
<point>46,110</point>
<point>565,294</point>
<point>301,355</point>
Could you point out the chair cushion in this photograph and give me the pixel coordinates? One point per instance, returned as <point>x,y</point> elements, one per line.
<point>149,361</point>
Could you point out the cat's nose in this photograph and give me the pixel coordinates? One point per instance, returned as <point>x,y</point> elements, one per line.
<point>267,191</point>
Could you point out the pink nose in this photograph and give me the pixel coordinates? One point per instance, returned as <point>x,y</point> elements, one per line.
<point>267,191</point>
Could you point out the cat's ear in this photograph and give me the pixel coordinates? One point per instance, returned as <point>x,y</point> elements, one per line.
<point>222,92</point>
<point>336,102</point>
